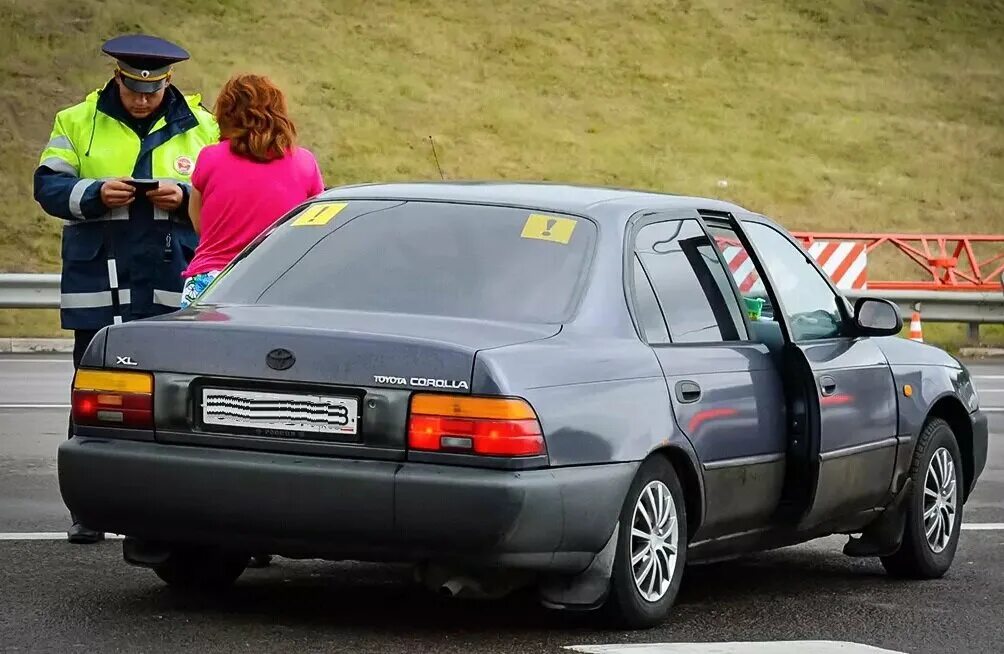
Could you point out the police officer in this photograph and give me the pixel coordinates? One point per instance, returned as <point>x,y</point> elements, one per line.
<point>126,239</point>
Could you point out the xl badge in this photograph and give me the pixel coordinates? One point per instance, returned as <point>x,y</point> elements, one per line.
<point>125,361</point>
<point>280,359</point>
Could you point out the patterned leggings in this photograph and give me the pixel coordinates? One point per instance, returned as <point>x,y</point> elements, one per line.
<point>196,286</point>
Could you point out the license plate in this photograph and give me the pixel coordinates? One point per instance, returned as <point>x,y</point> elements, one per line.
<point>279,412</point>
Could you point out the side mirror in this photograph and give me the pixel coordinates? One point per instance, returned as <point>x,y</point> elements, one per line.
<point>877,317</point>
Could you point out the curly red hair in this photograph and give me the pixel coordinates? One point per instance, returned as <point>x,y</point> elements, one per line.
<point>252,115</point>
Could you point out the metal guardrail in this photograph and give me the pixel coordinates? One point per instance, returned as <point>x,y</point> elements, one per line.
<point>29,291</point>
<point>38,291</point>
<point>41,291</point>
<point>943,306</point>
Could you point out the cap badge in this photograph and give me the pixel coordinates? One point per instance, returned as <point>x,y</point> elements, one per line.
<point>144,74</point>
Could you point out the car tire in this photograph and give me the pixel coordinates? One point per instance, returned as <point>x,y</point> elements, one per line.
<point>637,601</point>
<point>923,555</point>
<point>201,568</point>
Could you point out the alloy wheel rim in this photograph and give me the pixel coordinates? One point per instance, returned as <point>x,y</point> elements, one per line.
<point>940,500</point>
<point>655,540</point>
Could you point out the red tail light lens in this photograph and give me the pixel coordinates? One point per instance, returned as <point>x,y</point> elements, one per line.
<point>111,398</point>
<point>474,425</point>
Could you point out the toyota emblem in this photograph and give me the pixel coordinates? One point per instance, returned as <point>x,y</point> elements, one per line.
<point>280,359</point>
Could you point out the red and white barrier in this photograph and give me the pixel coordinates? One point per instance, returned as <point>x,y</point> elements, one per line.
<point>845,262</point>
<point>946,262</point>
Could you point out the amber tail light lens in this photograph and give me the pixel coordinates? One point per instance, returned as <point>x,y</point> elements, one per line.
<point>112,398</point>
<point>506,427</point>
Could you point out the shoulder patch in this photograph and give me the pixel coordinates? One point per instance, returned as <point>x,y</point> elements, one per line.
<point>183,165</point>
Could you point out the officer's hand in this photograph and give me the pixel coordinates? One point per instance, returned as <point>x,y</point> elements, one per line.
<point>167,196</point>
<point>115,193</point>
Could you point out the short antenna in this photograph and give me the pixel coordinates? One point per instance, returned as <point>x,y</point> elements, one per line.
<point>435,155</point>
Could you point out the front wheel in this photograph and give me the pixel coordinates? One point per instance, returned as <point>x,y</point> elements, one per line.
<point>201,568</point>
<point>934,508</point>
<point>651,548</point>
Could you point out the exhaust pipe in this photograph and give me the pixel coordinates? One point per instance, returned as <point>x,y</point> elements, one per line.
<point>455,583</point>
<point>454,587</point>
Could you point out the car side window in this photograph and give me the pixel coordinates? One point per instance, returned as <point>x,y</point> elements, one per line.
<point>756,301</point>
<point>811,306</point>
<point>649,314</point>
<point>679,260</point>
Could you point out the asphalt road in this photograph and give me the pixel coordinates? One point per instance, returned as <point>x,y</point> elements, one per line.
<point>58,597</point>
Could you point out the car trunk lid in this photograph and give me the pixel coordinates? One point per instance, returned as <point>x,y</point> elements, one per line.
<point>268,371</point>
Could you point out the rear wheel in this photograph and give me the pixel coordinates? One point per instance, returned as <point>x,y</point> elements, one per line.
<point>651,548</point>
<point>934,509</point>
<point>201,568</point>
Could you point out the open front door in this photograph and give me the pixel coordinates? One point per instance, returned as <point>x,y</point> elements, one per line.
<point>802,469</point>
<point>853,409</point>
<point>841,398</point>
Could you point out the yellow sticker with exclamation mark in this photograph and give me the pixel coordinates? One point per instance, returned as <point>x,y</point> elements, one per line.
<point>549,228</point>
<point>319,214</point>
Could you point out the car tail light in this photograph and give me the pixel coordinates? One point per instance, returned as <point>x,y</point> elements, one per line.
<point>113,398</point>
<point>474,425</point>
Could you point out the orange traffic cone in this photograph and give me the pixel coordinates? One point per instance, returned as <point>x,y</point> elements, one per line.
<point>916,332</point>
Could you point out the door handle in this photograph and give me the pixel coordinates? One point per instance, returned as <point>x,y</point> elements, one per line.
<point>687,391</point>
<point>827,385</point>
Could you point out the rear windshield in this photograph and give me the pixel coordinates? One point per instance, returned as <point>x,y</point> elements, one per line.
<point>468,261</point>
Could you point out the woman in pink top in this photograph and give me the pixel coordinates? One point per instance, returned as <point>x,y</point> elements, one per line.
<point>243,184</point>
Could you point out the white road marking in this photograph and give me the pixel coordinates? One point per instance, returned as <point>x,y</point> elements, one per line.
<point>988,376</point>
<point>44,535</point>
<point>774,647</point>
<point>991,409</point>
<point>45,406</point>
<point>983,526</point>
<point>65,361</point>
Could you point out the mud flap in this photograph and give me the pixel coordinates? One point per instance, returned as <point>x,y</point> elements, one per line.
<point>586,590</point>
<point>884,536</point>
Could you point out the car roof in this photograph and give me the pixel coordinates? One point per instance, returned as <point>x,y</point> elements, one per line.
<point>591,201</point>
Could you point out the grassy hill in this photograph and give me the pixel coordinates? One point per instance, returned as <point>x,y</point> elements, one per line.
<point>848,114</point>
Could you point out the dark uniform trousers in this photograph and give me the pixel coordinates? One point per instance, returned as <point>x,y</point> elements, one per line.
<point>81,339</point>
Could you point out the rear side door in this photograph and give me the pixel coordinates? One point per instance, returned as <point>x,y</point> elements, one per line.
<point>843,443</point>
<point>725,390</point>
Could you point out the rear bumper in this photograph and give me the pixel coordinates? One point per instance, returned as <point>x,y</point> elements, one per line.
<point>553,519</point>
<point>981,438</point>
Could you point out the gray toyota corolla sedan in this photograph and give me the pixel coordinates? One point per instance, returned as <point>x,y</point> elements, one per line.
<point>521,385</point>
